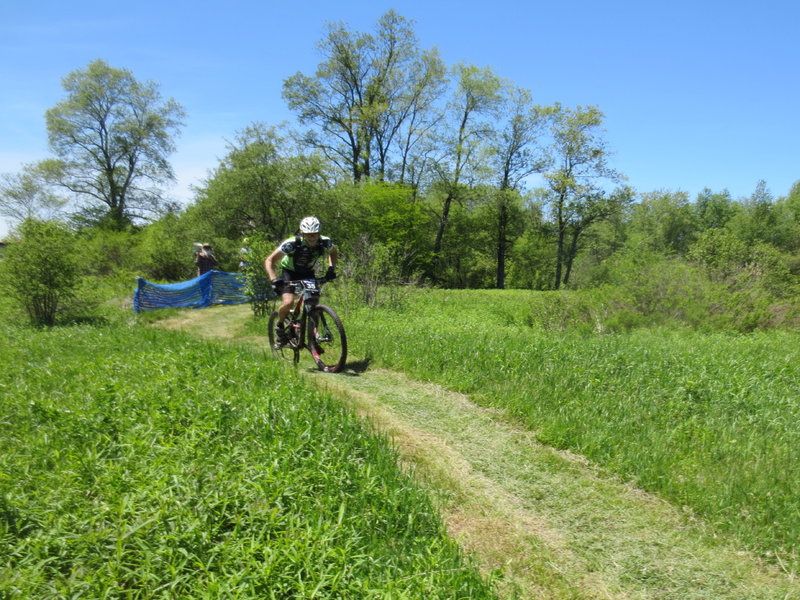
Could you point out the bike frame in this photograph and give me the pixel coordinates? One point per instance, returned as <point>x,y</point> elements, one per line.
<point>307,292</point>
<point>311,325</point>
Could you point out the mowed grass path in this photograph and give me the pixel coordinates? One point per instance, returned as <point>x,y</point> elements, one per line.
<point>705,420</point>
<point>550,523</point>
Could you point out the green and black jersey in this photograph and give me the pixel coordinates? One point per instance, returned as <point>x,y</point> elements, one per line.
<point>300,257</point>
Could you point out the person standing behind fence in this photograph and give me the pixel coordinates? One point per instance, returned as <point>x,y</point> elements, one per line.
<point>244,255</point>
<point>204,259</point>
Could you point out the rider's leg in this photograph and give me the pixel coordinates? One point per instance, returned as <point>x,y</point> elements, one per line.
<point>287,300</point>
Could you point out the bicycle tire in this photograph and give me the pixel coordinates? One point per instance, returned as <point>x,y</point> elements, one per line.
<point>286,352</point>
<point>327,340</point>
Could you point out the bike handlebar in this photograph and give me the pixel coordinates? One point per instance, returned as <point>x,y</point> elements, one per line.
<point>297,284</point>
<point>318,280</point>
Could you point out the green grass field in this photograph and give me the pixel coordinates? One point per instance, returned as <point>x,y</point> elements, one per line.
<point>706,420</point>
<point>139,463</point>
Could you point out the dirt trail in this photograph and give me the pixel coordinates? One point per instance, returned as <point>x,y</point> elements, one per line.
<point>544,523</point>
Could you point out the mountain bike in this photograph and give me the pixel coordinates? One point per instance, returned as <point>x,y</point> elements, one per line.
<point>311,325</point>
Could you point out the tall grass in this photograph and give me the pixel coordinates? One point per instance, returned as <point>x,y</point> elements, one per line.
<point>706,420</point>
<point>137,463</point>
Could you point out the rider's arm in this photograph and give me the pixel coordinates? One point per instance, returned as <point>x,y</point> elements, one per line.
<point>332,257</point>
<point>271,261</point>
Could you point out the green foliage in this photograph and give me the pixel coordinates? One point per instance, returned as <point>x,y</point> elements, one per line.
<point>390,214</point>
<point>109,253</point>
<point>755,281</point>
<point>789,219</point>
<point>531,260</point>
<point>646,287</point>
<point>502,215</point>
<point>465,259</point>
<point>714,210</point>
<point>770,268</point>
<point>370,97</point>
<point>373,275</point>
<point>665,220</point>
<point>27,195</point>
<point>165,248</point>
<point>707,420</point>
<point>438,161</point>
<point>261,185</point>
<point>482,227</point>
<point>39,269</point>
<point>719,251</point>
<point>257,284</point>
<point>112,135</point>
<point>439,157</point>
<point>379,213</point>
<point>757,219</point>
<point>138,463</point>
<point>575,194</point>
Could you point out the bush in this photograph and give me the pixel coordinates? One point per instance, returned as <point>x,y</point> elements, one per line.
<point>166,250</point>
<point>257,285</point>
<point>376,272</point>
<point>40,269</point>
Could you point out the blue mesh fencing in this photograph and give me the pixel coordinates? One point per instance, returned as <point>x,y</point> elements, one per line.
<point>213,287</point>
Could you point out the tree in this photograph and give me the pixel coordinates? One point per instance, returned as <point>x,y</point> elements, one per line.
<point>40,269</point>
<point>260,185</point>
<point>516,157</point>
<point>578,169</point>
<point>499,212</point>
<point>720,252</point>
<point>384,210</point>
<point>27,195</point>
<point>531,258</point>
<point>792,202</point>
<point>787,211</point>
<point>363,92</point>
<point>164,250</point>
<point>112,136</point>
<point>418,119</point>
<point>714,210</point>
<point>385,237</point>
<point>413,81</point>
<point>756,220</point>
<point>517,151</point>
<point>666,220</point>
<point>463,139</point>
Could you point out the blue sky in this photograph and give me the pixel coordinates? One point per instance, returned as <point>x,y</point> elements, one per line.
<point>695,94</point>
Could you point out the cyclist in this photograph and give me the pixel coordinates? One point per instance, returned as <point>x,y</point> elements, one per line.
<point>297,256</point>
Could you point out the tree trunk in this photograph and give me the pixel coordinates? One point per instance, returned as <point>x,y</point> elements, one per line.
<point>571,253</point>
<point>502,229</point>
<point>437,246</point>
<point>560,225</point>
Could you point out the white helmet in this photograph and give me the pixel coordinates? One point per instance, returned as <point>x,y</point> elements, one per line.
<point>309,225</point>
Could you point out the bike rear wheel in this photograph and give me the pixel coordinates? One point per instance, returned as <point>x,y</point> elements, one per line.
<point>288,351</point>
<point>326,339</point>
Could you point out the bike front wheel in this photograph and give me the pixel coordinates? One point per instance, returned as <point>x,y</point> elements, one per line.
<point>326,339</point>
<point>288,351</point>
